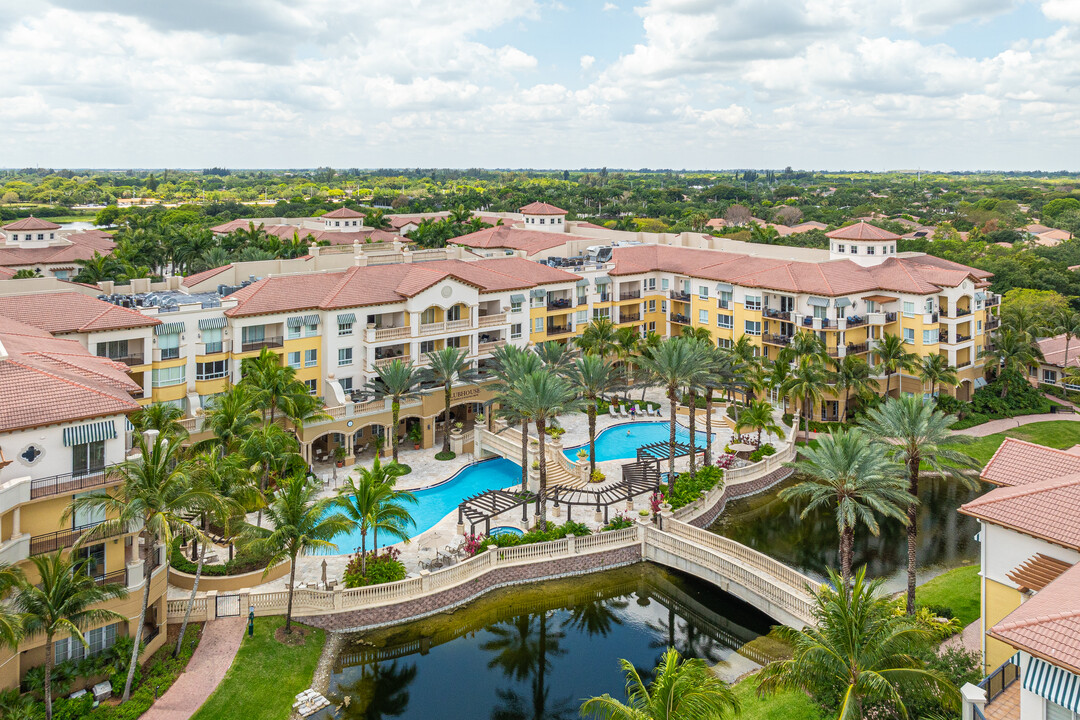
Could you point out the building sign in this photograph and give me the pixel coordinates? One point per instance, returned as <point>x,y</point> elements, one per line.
<point>464,393</point>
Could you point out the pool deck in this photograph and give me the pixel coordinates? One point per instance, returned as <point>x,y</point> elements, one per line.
<point>427,471</point>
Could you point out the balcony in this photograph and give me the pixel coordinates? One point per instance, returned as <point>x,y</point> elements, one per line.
<point>958,313</point>
<point>629,295</point>
<point>943,336</point>
<point>130,359</point>
<point>963,364</point>
<point>559,304</point>
<point>778,314</point>
<point>890,317</point>
<point>857,348</point>
<point>51,542</point>
<point>71,482</point>
<point>454,325</point>
<point>680,319</point>
<point>816,323</point>
<point>993,323</point>
<point>679,296</point>
<point>834,352</point>
<point>560,330</point>
<point>256,345</point>
<point>855,321</point>
<point>962,338</point>
<point>395,333</point>
<point>627,317</point>
<point>773,339</point>
<point>486,347</point>
<point>993,301</point>
<point>381,362</point>
<point>118,577</point>
<point>490,320</point>
<point>209,348</point>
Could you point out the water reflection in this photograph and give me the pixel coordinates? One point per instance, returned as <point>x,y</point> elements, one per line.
<point>768,524</point>
<point>535,652</point>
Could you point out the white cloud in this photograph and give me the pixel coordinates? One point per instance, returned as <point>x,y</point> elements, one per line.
<point>609,6</point>
<point>587,61</point>
<point>1062,10</point>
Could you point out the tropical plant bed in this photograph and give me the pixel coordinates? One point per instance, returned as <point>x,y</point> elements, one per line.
<point>688,489</point>
<point>244,561</point>
<point>379,569</point>
<point>475,544</point>
<point>266,675</point>
<point>445,455</point>
<point>987,403</point>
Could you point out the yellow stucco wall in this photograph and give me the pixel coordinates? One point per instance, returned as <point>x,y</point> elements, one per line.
<point>1000,601</point>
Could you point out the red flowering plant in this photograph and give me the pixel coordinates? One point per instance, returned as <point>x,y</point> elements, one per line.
<point>473,544</point>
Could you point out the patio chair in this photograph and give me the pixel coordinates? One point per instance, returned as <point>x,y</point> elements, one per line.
<point>622,411</point>
<point>611,411</point>
<point>640,414</point>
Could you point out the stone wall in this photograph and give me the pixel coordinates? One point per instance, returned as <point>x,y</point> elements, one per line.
<point>707,516</point>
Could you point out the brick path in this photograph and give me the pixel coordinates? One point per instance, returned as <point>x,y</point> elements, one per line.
<point>220,641</point>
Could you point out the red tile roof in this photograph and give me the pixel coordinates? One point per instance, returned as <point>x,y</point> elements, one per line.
<point>541,208</point>
<point>1047,625</point>
<point>199,277</point>
<point>31,223</point>
<point>1046,509</point>
<point>344,213</point>
<point>1018,462</point>
<point>862,231</point>
<point>1053,350</point>
<point>6,273</point>
<point>79,246</point>
<point>384,284</point>
<point>505,236</point>
<point>67,312</point>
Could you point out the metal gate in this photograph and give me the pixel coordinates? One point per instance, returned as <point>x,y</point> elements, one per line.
<point>228,606</point>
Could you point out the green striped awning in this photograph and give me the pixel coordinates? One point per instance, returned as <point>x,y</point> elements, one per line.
<point>583,282</point>
<point>346,318</point>
<point>980,296</point>
<point>212,323</point>
<point>537,293</point>
<point>818,301</point>
<point>842,302</point>
<point>173,328</point>
<point>93,432</point>
<point>128,425</point>
<point>1053,683</point>
<point>517,298</point>
<point>602,281</point>
<point>298,320</point>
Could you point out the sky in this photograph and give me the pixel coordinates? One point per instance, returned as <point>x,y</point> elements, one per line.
<point>561,84</point>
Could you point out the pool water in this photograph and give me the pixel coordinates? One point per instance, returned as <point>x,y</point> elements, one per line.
<point>622,441</point>
<point>435,503</point>
<point>506,530</point>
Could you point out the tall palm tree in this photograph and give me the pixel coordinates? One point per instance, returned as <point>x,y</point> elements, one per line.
<point>511,364</point>
<point>759,416</point>
<point>936,370</point>
<point>62,601</point>
<point>1013,351</point>
<point>1025,320</point>
<point>598,337</point>
<point>302,408</point>
<point>721,372</point>
<point>300,526</point>
<point>682,689</point>
<point>11,629</point>
<point>916,435</point>
<point>272,384</point>
<point>373,503</point>
<point>155,494</point>
<point>448,366</point>
<point>398,381</point>
<point>163,418</point>
<point>1066,321</point>
<point>702,340</point>
<point>852,476</point>
<point>593,376</point>
<point>808,382</point>
<point>858,652</point>
<point>804,343</point>
<point>229,419</point>
<point>627,347</point>
<point>543,395</point>
<point>555,356</point>
<point>272,451</point>
<point>852,374</point>
<point>676,363</point>
<point>893,357</point>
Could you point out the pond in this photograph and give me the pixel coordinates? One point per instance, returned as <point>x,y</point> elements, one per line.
<point>946,538</point>
<point>622,441</point>
<point>537,651</point>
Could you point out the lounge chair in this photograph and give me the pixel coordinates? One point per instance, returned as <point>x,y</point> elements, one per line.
<point>640,414</point>
<point>611,412</point>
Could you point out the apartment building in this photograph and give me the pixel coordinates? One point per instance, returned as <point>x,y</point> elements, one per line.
<point>48,249</point>
<point>1030,569</point>
<point>63,424</point>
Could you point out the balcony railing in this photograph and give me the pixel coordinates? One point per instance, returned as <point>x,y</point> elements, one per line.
<point>963,364</point>
<point>777,314</point>
<point>381,362</point>
<point>270,342</point>
<point>396,333</point>
<point>680,296</point>
<point>463,324</point>
<point>943,336</point>
<point>118,577</point>
<point>129,359</point>
<point>629,295</point>
<point>489,320</point>
<point>559,304</point>
<point>957,312</point>
<point>998,681</point>
<point>855,321</point>
<point>962,338</point>
<point>890,317</point>
<point>561,330</point>
<point>992,301</point>
<point>993,323</point>
<point>680,319</point>
<point>625,318</point>
<point>858,348</point>
<point>51,542</point>
<point>773,339</point>
<point>71,482</point>
<point>486,347</point>
<point>833,352</point>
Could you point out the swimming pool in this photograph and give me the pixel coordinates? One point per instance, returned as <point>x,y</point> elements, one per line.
<point>435,503</point>
<point>616,444</point>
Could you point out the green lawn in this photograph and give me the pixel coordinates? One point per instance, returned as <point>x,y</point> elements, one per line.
<point>958,589</point>
<point>265,676</point>
<point>1054,433</point>
<point>791,705</point>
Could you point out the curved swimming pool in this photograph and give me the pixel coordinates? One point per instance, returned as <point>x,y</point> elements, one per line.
<point>621,441</point>
<point>438,501</point>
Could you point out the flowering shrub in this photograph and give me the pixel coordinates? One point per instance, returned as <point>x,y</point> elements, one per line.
<point>473,544</point>
<point>381,568</point>
<point>618,522</point>
<point>725,461</point>
<point>536,535</point>
<point>655,501</point>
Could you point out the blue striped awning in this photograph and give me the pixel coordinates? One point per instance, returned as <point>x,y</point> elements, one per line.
<point>1053,683</point>
<point>212,323</point>
<point>298,320</point>
<point>602,281</point>
<point>346,318</point>
<point>93,432</point>
<point>517,298</point>
<point>583,282</point>
<point>173,328</point>
<point>818,301</point>
<point>538,293</point>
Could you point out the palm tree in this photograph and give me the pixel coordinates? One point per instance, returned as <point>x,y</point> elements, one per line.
<point>373,503</point>
<point>301,407</point>
<point>721,372</point>
<point>857,653</point>
<point>94,269</point>
<point>447,367</point>
<point>808,382</point>
<point>702,341</point>
<point>163,418</point>
<point>272,384</point>
<point>893,358</point>
<point>1013,351</point>
<point>542,395</point>
<point>627,346</point>
<point>156,495</point>
<point>852,476</point>
<point>676,363</point>
<point>759,416</point>
<point>301,526</point>
<point>1066,321</point>
<point>936,370</point>
<point>598,337</point>
<point>511,364</point>
<point>62,601</point>
<point>11,629</point>
<point>269,448</point>
<point>555,356</point>
<point>917,435</point>
<point>398,381</point>
<point>804,343</point>
<point>593,376</point>
<point>26,273</point>
<point>852,374</point>
<point>680,690</point>
<point>230,418</point>
<point>1025,320</point>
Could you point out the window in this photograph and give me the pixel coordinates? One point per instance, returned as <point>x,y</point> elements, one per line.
<point>652,328</point>
<point>1049,376</point>
<point>454,342</point>
<point>169,346</point>
<point>114,349</point>
<point>425,347</point>
<point>212,370</point>
<point>312,386</point>
<point>344,356</point>
<point>601,312</point>
<point>725,300</point>
<point>978,350</point>
<point>346,385</point>
<point>854,249</point>
<point>212,340</point>
<point>753,327</point>
<point>909,335</point>
<point>703,317</point>
<point>41,236</point>
<point>929,305</point>
<point>723,344</point>
<point>428,316</point>
<point>839,248</point>
<point>163,377</point>
<point>311,358</point>
<point>581,316</point>
<point>650,283</point>
<point>663,306</point>
<point>541,222</point>
<point>254,334</point>
<point>870,250</point>
<point>1058,712</point>
<point>453,313</point>
<point>515,306</point>
<point>909,309</point>
<point>538,327</point>
<point>752,302</point>
<point>95,560</point>
<point>293,332</point>
<point>978,327</point>
<point>664,283</point>
<point>515,331</point>
<point>98,639</point>
<point>88,458</point>
<point>344,328</point>
<point>703,292</point>
<point>652,306</point>
<point>725,321</point>
<point>311,329</point>
<point>929,337</point>
<point>540,301</point>
<point>294,362</point>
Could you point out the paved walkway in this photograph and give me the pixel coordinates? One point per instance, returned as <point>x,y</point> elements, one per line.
<point>996,426</point>
<point>207,668</point>
<point>970,638</point>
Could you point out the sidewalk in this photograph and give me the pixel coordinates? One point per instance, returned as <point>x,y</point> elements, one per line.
<point>207,668</point>
<point>996,426</point>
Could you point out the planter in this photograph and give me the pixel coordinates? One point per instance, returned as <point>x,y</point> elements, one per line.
<point>416,446</point>
<point>228,583</point>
